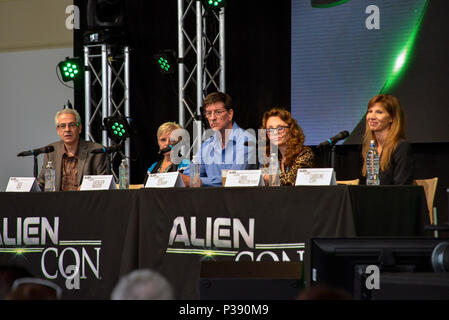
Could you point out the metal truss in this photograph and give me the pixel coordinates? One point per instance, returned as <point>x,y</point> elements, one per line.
<point>201,60</point>
<point>106,88</point>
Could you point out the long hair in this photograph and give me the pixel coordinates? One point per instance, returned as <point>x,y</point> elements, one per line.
<point>295,139</point>
<point>395,134</point>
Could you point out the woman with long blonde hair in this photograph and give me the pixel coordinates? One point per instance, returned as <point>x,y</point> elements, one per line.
<point>385,124</point>
<point>284,132</point>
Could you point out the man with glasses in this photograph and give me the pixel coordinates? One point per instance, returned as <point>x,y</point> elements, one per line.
<point>228,145</point>
<point>72,157</point>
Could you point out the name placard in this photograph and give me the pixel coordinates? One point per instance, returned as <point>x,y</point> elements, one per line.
<point>164,180</point>
<point>22,184</point>
<point>316,177</point>
<point>244,178</point>
<point>97,182</point>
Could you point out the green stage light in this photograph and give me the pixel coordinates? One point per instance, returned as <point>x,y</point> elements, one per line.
<point>165,61</point>
<point>70,69</point>
<point>117,127</point>
<point>213,4</point>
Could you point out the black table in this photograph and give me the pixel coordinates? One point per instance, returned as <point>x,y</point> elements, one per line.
<point>109,233</point>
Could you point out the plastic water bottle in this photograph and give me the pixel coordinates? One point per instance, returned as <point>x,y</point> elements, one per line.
<point>195,180</point>
<point>273,170</point>
<point>372,166</point>
<point>50,177</point>
<point>124,175</point>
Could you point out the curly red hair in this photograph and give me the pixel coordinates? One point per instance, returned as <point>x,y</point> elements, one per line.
<point>295,141</point>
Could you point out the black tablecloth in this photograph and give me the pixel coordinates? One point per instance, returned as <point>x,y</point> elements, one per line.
<point>173,230</point>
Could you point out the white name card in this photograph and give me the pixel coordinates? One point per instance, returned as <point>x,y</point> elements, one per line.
<point>164,180</point>
<point>98,182</point>
<point>21,184</point>
<point>244,178</point>
<point>316,177</point>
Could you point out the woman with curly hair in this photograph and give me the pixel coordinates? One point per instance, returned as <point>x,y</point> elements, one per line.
<point>385,124</point>
<point>283,132</point>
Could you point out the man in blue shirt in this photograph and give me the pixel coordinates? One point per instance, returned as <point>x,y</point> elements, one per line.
<point>228,147</point>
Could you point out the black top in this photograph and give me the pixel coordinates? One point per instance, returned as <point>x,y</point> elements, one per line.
<point>401,166</point>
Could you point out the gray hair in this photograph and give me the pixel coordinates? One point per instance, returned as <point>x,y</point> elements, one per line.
<point>143,284</point>
<point>69,111</point>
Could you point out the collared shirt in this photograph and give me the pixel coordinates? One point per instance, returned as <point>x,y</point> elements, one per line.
<point>69,172</point>
<point>235,156</point>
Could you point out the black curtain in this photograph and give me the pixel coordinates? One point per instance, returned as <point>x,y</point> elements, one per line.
<point>257,39</point>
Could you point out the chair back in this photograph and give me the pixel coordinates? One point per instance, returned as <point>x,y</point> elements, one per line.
<point>430,187</point>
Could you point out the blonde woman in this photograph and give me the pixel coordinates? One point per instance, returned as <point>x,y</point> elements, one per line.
<point>163,139</point>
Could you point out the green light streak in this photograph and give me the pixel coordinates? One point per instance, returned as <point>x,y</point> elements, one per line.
<point>403,57</point>
<point>208,253</point>
<point>329,5</point>
<point>20,251</point>
<point>400,60</point>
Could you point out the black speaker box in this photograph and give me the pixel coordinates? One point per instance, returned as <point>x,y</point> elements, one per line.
<point>230,280</point>
<point>105,14</point>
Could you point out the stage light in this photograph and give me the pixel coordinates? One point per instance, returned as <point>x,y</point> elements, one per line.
<point>117,127</point>
<point>213,4</point>
<point>70,69</point>
<point>165,61</point>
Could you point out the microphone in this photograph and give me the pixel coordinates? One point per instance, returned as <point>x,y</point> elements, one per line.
<point>332,141</point>
<point>168,149</point>
<point>109,149</point>
<point>36,152</point>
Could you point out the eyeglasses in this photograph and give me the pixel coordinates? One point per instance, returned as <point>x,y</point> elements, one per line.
<point>71,125</point>
<point>218,113</point>
<point>278,129</point>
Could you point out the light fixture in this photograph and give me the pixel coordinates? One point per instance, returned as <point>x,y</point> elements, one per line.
<point>213,4</point>
<point>165,61</point>
<point>117,127</point>
<point>70,69</point>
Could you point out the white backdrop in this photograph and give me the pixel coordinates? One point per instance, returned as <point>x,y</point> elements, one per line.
<point>30,95</point>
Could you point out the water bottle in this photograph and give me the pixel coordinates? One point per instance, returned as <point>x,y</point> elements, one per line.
<point>50,177</point>
<point>195,180</point>
<point>124,175</point>
<point>372,166</point>
<point>273,170</point>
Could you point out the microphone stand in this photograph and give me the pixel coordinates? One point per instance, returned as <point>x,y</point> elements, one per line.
<point>332,155</point>
<point>35,170</point>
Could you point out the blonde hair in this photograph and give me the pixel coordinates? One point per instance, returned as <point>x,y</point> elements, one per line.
<point>167,127</point>
<point>68,111</point>
<point>395,134</point>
